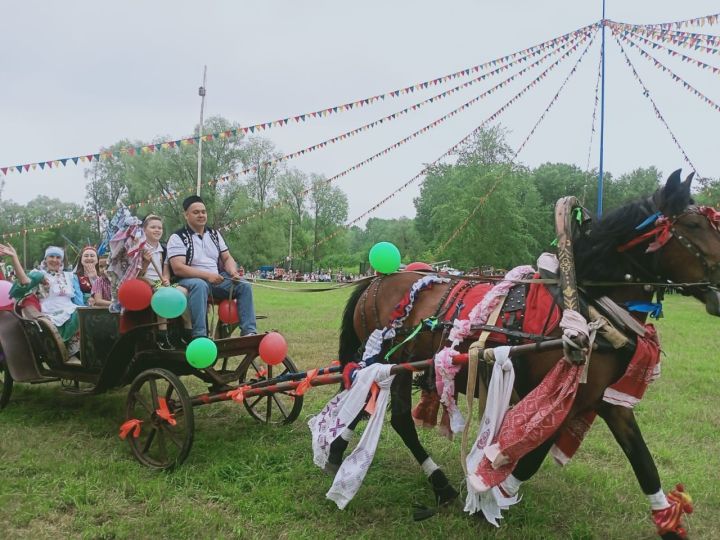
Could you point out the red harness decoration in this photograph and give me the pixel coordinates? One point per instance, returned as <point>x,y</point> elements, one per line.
<point>663,229</point>
<point>163,412</point>
<point>132,425</point>
<point>662,233</point>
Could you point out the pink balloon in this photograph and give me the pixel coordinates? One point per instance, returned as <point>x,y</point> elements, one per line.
<point>5,299</point>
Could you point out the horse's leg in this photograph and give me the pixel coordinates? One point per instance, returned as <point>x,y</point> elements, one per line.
<point>340,444</point>
<point>402,423</point>
<point>626,431</point>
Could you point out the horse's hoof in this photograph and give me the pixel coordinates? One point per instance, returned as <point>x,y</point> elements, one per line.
<point>331,469</point>
<point>444,492</point>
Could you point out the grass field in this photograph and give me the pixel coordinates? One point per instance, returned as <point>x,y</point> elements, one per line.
<point>65,473</point>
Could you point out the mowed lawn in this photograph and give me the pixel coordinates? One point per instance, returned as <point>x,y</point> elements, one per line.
<point>65,473</point>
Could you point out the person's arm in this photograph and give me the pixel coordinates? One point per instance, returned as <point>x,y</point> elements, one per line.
<point>98,300</point>
<point>230,264</point>
<point>9,251</point>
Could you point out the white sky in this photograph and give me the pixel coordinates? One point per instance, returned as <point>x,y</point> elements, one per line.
<point>77,76</point>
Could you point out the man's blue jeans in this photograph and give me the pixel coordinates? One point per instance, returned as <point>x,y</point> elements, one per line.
<point>198,292</point>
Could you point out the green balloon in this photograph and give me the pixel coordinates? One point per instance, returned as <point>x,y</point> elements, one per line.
<point>168,302</point>
<point>385,257</point>
<point>201,353</point>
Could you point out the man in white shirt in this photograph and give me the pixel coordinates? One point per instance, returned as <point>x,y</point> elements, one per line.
<point>201,261</point>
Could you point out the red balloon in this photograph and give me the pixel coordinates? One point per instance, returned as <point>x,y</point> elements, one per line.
<point>135,294</point>
<point>415,266</point>
<point>227,311</point>
<point>273,348</point>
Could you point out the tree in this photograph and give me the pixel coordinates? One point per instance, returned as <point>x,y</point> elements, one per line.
<point>329,209</point>
<point>261,181</point>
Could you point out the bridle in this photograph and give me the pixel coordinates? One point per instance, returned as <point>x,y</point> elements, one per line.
<point>665,228</point>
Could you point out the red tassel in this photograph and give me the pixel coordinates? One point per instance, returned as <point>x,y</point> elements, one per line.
<point>348,370</point>
<point>669,519</point>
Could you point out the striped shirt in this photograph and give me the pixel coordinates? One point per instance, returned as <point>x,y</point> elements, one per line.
<point>102,286</point>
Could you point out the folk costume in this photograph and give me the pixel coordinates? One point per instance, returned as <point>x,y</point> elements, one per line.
<point>59,294</point>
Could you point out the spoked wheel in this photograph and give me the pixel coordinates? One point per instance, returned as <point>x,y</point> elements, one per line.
<point>6,382</point>
<point>159,400</point>
<point>278,408</point>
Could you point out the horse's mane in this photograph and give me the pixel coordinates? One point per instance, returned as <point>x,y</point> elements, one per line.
<point>595,249</point>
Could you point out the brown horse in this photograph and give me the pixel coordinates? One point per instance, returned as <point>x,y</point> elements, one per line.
<point>686,253</point>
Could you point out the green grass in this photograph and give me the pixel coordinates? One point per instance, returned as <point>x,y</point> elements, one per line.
<point>65,473</point>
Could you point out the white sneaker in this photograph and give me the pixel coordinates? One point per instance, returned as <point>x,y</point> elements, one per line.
<point>73,361</point>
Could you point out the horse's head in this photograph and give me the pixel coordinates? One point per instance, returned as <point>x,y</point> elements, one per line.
<point>686,241</point>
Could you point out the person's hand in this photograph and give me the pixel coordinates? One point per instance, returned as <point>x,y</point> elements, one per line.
<point>165,282</point>
<point>215,279</point>
<point>147,255</point>
<point>236,276</point>
<point>91,301</point>
<point>6,250</point>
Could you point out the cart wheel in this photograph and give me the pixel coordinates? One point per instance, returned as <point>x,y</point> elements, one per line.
<point>278,408</point>
<point>160,445</point>
<point>6,382</point>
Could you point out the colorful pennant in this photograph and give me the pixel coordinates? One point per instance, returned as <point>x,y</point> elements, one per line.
<point>658,114</point>
<point>301,118</point>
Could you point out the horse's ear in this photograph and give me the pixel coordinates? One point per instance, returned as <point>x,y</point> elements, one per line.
<point>688,181</point>
<point>674,197</point>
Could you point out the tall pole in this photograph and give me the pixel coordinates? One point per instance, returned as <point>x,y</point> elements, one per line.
<point>25,247</point>
<point>602,116</point>
<point>201,93</point>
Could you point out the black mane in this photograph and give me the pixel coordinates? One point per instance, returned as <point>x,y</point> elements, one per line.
<point>596,254</point>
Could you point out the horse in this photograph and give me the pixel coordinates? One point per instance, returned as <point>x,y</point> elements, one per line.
<point>681,250</point>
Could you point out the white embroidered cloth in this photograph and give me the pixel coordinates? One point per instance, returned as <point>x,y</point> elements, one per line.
<point>337,415</point>
<point>491,502</point>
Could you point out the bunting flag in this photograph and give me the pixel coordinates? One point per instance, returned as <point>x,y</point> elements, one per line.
<point>519,149</point>
<point>341,137</point>
<point>304,117</point>
<point>674,76</point>
<point>428,127</point>
<point>696,42</point>
<point>457,146</point>
<point>671,52</point>
<point>594,113</point>
<point>658,114</point>
<point>708,20</point>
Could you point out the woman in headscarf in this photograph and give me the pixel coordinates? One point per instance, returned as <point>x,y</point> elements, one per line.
<point>87,270</point>
<point>58,291</point>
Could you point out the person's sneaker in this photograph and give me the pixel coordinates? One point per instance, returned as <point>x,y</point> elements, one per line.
<point>163,342</point>
<point>73,361</point>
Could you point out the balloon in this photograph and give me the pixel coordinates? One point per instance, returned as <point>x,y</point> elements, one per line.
<point>168,302</point>
<point>227,312</point>
<point>135,294</point>
<point>418,266</point>
<point>5,299</point>
<point>273,348</point>
<point>385,257</point>
<point>201,353</point>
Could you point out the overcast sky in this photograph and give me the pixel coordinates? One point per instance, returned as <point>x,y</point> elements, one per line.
<point>79,75</point>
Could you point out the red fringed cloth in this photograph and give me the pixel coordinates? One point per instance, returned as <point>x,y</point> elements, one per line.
<point>528,424</point>
<point>644,368</point>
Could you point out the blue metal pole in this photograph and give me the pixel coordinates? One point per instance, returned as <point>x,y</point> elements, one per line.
<point>602,117</point>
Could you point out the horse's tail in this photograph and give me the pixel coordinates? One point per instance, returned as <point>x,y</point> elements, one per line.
<point>349,341</point>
